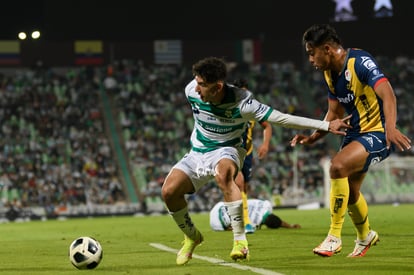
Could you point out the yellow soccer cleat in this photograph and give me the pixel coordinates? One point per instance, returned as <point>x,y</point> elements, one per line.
<point>240,251</point>
<point>186,252</point>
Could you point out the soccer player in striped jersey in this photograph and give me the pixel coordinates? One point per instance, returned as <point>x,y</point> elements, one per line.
<point>356,86</point>
<point>221,112</point>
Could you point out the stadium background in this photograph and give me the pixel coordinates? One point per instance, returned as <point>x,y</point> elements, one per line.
<point>131,120</point>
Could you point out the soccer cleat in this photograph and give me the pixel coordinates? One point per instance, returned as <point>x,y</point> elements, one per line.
<point>330,246</point>
<point>240,251</point>
<point>249,229</point>
<point>186,252</point>
<point>361,247</point>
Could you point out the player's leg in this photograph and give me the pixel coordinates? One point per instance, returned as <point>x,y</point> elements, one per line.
<point>226,171</point>
<point>249,228</point>
<point>350,159</point>
<point>358,211</point>
<point>242,180</point>
<point>339,194</point>
<point>358,207</point>
<point>176,185</point>
<point>375,144</point>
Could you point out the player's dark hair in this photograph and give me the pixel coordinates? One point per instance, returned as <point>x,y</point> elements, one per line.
<point>319,34</point>
<point>273,221</point>
<point>210,69</point>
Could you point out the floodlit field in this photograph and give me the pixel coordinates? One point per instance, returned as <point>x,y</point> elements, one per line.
<point>147,245</point>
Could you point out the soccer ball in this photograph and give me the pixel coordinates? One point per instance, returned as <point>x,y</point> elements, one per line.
<point>85,253</point>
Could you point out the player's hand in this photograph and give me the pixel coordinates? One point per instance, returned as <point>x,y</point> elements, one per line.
<point>262,151</point>
<point>394,136</point>
<point>336,126</point>
<point>301,139</point>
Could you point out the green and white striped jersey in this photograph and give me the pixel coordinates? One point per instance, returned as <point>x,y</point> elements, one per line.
<point>224,124</point>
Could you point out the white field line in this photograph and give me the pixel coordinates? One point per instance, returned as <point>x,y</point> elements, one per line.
<point>219,261</point>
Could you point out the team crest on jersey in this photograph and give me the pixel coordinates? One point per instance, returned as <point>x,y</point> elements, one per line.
<point>348,75</point>
<point>228,113</point>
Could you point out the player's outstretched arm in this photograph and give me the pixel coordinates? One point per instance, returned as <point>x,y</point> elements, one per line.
<point>290,226</point>
<point>335,127</point>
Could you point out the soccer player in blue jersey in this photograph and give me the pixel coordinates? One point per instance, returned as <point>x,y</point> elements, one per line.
<point>221,112</point>
<point>244,176</point>
<point>356,86</point>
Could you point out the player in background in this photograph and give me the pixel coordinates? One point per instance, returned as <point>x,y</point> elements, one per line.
<point>356,86</point>
<point>244,176</point>
<point>221,112</point>
<point>260,212</point>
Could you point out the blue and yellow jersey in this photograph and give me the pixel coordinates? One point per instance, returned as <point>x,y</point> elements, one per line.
<point>248,137</point>
<point>354,89</point>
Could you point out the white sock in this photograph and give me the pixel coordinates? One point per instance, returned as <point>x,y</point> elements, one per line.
<point>235,210</point>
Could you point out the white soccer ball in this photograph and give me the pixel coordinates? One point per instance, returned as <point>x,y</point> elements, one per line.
<point>85,253</point>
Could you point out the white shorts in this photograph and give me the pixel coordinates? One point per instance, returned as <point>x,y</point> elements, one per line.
<point>200,167</point>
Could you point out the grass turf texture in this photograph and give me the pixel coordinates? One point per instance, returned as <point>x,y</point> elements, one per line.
<point>41,247</point>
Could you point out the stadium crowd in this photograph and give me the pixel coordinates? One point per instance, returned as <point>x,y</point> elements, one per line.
<point>56,151</point>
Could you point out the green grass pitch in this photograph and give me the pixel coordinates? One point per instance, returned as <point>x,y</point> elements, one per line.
<point>41,247</point>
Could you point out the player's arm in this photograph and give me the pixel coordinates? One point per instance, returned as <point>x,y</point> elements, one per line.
<point>335,112</point>
<point>291,121</point>
<point>267,136</point>
<point>290,226</point>
<point>385,92</point>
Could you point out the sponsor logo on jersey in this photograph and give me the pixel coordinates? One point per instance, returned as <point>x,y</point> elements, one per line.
<point>217,129</point>
<point>349,98</point>
<point>368,63</point>
<point>348,75</point>
<point>376,74</point>
<point>223,120</point>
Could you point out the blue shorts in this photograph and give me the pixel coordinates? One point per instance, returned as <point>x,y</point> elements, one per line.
<point>375,144</point>
<point>247,168</point>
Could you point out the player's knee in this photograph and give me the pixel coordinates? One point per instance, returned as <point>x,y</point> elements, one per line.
<point>225,178</point>
<point>166,192</point>
<point>338,170</point>
<point>169,191</point>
